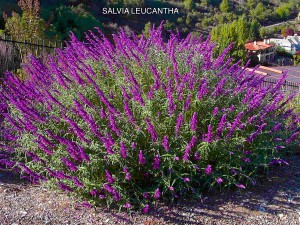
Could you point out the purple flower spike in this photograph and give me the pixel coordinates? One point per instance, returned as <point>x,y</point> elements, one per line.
<point>209,136</point>
<point>193,124</point>
<point>165,143</point>
<point>179,123</point>
<point>186,179</point>
<point>128,111</point>
<point>233,171</point>
<point>146,195</point>
<point>156,163</point>
<point>127,174</point>
<point>127,205</point>
<point>219,180</point>
<point>77,182</point>
<point>157,194</point>
<point>109,177</point>
<point>187,103</point>
<point>94,192</point>
<point>197,156</point>
<point>172,106</point>
<point>151,130</point>
<point>215,111</point>
<point>208,170</point>
<point>241,186</point>
<point>234,125</point>
<point>189,147</point>
<point>69,164</point>
<point>133,145</point>
<point>86,205</point>
<point>146,209</point>
<point>292,138</point>
<point>203,89</point>
<point>142,159</point>
<point>123,150</point>
<point>64,187</point>
<point>113,125</point>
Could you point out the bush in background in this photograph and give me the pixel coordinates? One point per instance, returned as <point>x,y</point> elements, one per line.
<point>28,25</point>
<point>142,120</point>
<point>69,18</point>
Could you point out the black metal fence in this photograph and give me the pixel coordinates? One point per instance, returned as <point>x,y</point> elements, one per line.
<point>13,53</point>
<point>288,86</point>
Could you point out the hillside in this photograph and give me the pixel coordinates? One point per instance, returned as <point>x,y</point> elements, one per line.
<point>194,15</point>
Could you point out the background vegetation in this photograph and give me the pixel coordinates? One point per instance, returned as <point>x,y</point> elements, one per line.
<point>53,19</point>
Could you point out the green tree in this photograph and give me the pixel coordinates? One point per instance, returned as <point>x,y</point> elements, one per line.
<point>251,4</point>
<point>224,6</point>
<point>236,33</point>
<point>259,12</point>
<point>254,30</point>
<point>263,32</point>
<point>283,11</point>
<point>189,4</point>
<point>283,31</point>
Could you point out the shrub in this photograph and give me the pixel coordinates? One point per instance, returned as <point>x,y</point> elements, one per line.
<point>28,25</point>
<point>224,6</point>
<point>70,18</point>
<point>284,10</point>
<point>142,120</point>
<point>188,4</point>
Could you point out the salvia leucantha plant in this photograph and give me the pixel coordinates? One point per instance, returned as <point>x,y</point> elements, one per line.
<point>140,120</point>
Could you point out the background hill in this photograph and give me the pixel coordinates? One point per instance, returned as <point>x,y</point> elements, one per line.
<point>195,15</point>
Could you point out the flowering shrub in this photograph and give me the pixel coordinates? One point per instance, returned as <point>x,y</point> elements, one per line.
<point>140,120</point>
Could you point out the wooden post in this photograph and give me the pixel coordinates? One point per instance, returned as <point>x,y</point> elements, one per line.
<point>38,47</point>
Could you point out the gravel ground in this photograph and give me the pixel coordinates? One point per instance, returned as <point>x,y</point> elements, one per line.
<point>275,200</point>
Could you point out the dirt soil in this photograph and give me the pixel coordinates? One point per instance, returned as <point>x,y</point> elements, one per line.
<point>274,200</point>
